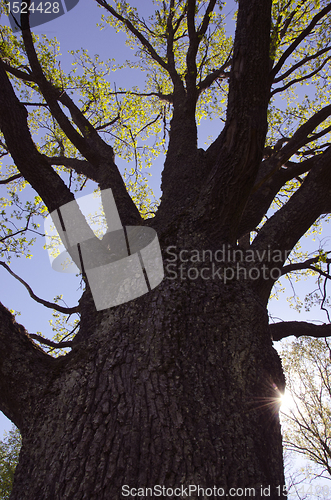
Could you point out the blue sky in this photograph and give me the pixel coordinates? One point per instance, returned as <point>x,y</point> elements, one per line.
<point>74,30</point>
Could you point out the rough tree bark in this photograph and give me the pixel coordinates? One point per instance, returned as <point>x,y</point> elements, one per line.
<point>181,386</point>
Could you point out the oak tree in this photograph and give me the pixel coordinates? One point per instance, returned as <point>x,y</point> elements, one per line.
<point>182,385</point>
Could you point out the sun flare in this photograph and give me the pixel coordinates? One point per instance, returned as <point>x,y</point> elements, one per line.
<point>286,402</point>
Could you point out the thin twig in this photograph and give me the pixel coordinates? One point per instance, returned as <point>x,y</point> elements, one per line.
<point>10,179</point>
<point>44,104</point>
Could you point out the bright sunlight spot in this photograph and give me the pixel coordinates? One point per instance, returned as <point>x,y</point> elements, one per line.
<point>287,402</point>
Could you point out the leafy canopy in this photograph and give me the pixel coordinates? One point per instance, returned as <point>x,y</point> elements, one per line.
<point>136,120</point>
<point>9,453</point>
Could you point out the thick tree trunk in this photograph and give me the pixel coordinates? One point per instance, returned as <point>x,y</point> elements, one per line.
<point>179,387</point>
<point>176,388</point>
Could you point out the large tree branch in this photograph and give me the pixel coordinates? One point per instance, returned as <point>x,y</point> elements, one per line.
<point>318,135</point>
<point>311,200</point>
<point>273,174</point>
<point>288,224</point>
<point>307,264</point>
<point>178,84</point>
<point>28,160</point>
<point>80,166</point>
<point>52,95</point>
<point>191,73</point>
<point>182,155</point>
<point>298,329</point>
<point>195,37</point>
<point>212,77</point>
<point>22,75</point>
<point>33,166</point>
<point>25,371</point>
<point>206,18</point>
<point>300,137</point>
<point>238,151</point>
<point>271,178</point>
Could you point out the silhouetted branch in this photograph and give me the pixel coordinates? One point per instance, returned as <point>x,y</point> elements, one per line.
<point>218,73</point>
<point>298,329</point>
<point>307,264</point>
<point>301,79</point>
<point>50,305</point>
<point>10,179</point>
<point>299,39</point>
<point>108,124</point>
<point>22,75</point>
<point>50,343</point>
<point>152,52</point>
<point>164,97</point>
<point>80,166</point>
<point>301,63</point>
<point>44,104</point>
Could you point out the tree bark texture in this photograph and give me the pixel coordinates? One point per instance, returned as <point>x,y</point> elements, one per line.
<point>178,387</point>
<point>182,385</point>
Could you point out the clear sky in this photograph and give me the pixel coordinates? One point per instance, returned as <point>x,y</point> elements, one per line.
<point>74,30</point>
